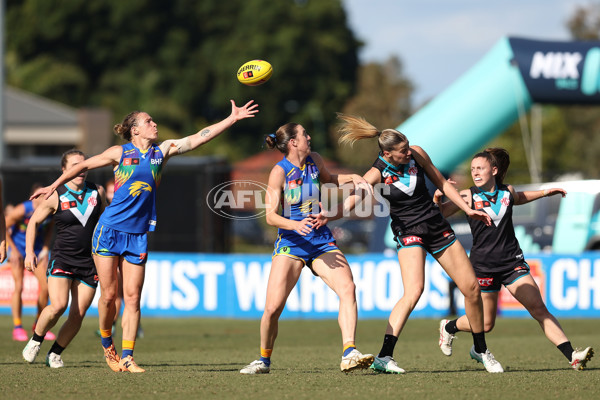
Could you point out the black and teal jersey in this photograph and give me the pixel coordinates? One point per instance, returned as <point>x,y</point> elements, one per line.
<point>406,191</point>
<point>495,247</point>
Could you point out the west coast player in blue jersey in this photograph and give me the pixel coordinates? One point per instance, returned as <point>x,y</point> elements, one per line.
<point>419,228</point>
<point>76,207</point>
<point>17,220</point>
<point>497,257</point>
<point>120,235</point>
<point>2,229</point>
<point>295,188</point>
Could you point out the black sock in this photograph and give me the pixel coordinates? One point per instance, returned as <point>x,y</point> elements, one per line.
<point>37,337</point>
<point>479,342</point>
<point>451,327</point>
<point>566,349</point>
<point>56,348</point>
<point>389,342</point>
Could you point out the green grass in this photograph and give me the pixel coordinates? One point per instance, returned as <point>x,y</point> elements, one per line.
<point>200,358</point>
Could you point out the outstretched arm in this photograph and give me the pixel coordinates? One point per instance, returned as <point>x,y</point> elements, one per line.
<point>531,195</point>
<point>446,187</point>
<point>179,146</point>
<point>448,208</point>
<point>111,156</point>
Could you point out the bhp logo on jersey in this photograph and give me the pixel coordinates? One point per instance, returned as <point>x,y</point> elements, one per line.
<point>485,281</point>
<point>407,241</point>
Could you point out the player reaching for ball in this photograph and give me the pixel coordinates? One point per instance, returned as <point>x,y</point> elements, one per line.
<point>418,226</point>
<point>120,237</point>
<point>497,257</point>
<point>295,183</point>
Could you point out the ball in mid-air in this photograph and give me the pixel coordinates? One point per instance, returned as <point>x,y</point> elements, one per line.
<point>255,72</point>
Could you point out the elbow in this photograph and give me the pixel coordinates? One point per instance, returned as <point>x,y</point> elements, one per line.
<point>270,219</point>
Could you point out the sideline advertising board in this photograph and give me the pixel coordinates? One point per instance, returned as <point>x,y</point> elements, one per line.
<point>234,286</point>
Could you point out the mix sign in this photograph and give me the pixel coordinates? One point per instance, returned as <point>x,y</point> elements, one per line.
<point>234,286</point>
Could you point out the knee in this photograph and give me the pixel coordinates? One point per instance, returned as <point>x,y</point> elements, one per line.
<point>347,291</point>
<point>18,287</point>
<point>472,292</point>
<point>273,311</point>
<point>488,326</point>
<point>538,311</point>
<point>132,301</point>
<point>57,308</point>
<point>108,297</point>
<point>412,296</point>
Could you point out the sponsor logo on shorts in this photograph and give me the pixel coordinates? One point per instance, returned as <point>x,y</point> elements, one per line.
<point>521,269</point>
<point>332,244</point>
<point>285,250</point>
<point>406,241</point>
<point>143,256</point>
<point>485,281</point>
<point>95,278</point>
<point>448,234</point>
<point>60,271</point>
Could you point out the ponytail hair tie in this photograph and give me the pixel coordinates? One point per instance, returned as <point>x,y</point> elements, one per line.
<point>273,136</point>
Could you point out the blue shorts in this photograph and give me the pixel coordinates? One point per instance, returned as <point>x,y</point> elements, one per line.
<point>107,242</point>
<point>305,250</point>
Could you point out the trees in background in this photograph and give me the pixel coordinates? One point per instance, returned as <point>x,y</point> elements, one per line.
<point>178,60</point>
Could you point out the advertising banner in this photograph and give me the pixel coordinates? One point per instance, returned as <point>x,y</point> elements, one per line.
<point>234,286</point>
<point>559,72</point>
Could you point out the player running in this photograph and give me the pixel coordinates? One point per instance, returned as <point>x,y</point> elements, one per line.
<point>76,207</point>
<point>419,228</point>
<point>17,220</point>
<point>497,257</point>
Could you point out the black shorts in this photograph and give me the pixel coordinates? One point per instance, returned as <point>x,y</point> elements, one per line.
<point>434,235</point>
<point>490,282</point>
<point>84,273</point>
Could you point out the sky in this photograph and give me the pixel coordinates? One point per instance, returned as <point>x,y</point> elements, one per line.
<point>439,40</point>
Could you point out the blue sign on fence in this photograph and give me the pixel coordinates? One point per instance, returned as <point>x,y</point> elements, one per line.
<point>234,286</point>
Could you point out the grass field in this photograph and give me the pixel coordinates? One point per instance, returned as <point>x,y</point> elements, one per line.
<point>200,358</point>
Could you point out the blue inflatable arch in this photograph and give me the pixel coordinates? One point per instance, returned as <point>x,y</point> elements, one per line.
<point>487,99</point>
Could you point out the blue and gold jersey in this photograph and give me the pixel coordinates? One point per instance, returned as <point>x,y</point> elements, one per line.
<point>19,229</point>
<point>301,194</point>
<point>133,209</point>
